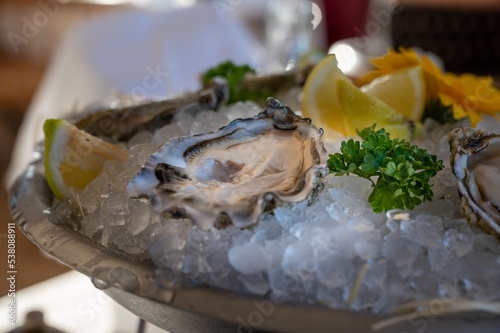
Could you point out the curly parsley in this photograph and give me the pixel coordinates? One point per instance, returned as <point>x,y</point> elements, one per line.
<point>403,171</point>
<point>235,76</point>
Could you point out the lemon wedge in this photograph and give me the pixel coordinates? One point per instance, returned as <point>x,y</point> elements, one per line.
<point>319,99</point>
<point>73,158</point>
<point>362,110</point>
<point>403,90</point>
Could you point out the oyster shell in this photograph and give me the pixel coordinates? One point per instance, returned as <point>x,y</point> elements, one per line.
<point>475,161</point>
<point>238,172</point>
<point>123,123</point>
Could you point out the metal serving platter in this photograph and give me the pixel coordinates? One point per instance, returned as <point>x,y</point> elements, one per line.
<point>178,308</point>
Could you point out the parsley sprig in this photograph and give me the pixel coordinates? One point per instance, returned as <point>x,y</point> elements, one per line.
<point>235,76</point>
<point>403,171</point>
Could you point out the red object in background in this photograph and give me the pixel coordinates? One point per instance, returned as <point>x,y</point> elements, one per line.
<point>344,19</point>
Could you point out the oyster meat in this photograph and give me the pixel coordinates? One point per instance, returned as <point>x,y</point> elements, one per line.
<point>475,161</point>
<point>237,172</point>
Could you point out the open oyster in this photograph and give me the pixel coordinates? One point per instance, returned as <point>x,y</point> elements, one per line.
<point>238,172</point>
<point>475,160</point>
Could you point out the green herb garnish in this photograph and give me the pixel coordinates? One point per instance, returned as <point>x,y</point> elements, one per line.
<point>403,171</point>
<point>235,76</point>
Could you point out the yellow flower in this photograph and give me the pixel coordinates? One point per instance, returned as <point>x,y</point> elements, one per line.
<point>389,63</point>
<point>467,95</point>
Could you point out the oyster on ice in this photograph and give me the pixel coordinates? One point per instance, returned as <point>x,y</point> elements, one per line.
<point>475,161</point>
<point>237,172</point>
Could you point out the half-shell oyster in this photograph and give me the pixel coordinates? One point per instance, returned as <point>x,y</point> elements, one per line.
<point>475,161</point>
<point>238,172</point>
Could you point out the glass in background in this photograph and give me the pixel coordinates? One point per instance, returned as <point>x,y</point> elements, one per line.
<point>289,32</point>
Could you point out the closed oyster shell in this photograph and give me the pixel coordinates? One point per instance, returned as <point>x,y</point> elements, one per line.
<point>475,161</point>
<point>237,172</point>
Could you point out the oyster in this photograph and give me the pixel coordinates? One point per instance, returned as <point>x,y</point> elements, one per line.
<point>237,172</point>
<point>123,123</point>
<point>475,161</point>
<point>120,124</point>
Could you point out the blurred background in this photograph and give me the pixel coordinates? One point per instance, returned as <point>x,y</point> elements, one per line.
<point>464,33</point>
<point>21,71</point>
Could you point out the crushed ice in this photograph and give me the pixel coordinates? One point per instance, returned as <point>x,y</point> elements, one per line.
<point>302,253</point>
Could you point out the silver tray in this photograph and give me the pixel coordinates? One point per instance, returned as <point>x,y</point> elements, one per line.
<point>195,309</point>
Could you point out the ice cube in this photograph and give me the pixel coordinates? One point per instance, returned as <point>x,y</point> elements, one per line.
<point>249,258</point>
<point>196,265</point>
<point>371,287</point>
<point>475,288</point>
<point>185,115</point>
<point>360,224</point>
<point>92,225</point>
<point>283,283</point>
<point>421,266</point>
<point>90,196</point>
<point>339,241</point>
<point>267,229</point>
<point>306,232</point>
<point>140,138</point>
<point>449,291</point>
<point>479,264</point>
<point>454,269</point>
<point>242,110</point>
<point>117,174</point>
<point>207,121</point>
<point>397,291</point>
<point>116,203</point>
<point>425,230</point>
<point>128,243</point>
<point>174,260</point>
<point>400,250</point>
<point>60,213</point>
<point>317,213</point>
<point>332,297</point>
<point>336,271</point>
<point>276,248</point>
<point>175,235</point>
<point>298,259</point>
<point>139,154</point>
<point>345,205</point>
<point>426,286</point>
<point>455,223</point>
<point>164,134</point>
<point>105,236</point>
<point>439,257</point>
<point>226,278</point>
<point>484,242</point>
<point>288,216</point>
<point>366,249</point>
<point>157,252</point>
<point>359,187</point>
<point>458,242</point>
<point>139,217</point>
<point>392,225</point>
<point>255,283</point>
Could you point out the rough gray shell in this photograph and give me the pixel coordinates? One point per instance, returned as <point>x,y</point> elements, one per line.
<point>475,160</point>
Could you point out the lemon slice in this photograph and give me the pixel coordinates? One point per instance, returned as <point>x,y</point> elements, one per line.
<point>362,110</point>
<point>319,99</point>
<point>73,158</point>
<point>403,90</point>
